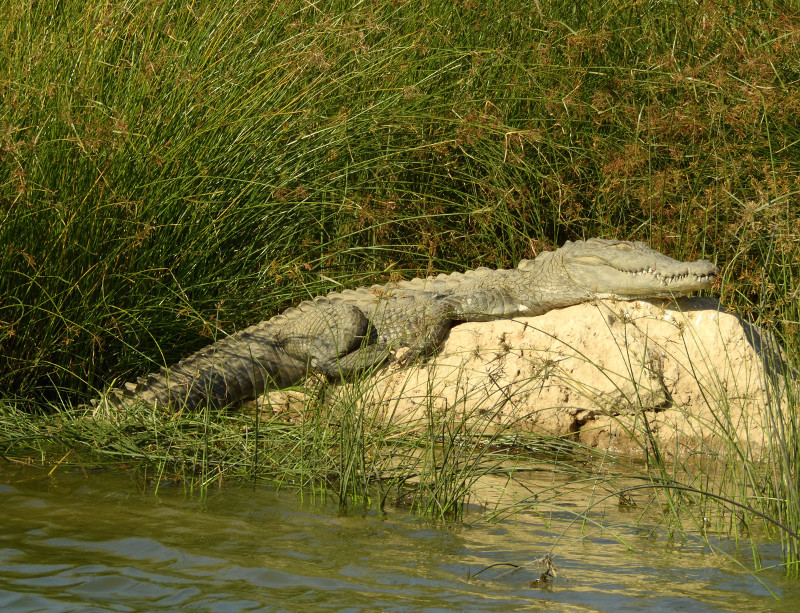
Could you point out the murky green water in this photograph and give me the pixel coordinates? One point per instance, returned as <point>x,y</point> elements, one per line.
<point>73,542</point>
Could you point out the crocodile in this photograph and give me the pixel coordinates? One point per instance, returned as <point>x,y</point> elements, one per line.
<point>344,333</point>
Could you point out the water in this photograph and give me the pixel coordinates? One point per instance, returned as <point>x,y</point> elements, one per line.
<point>75,542</point>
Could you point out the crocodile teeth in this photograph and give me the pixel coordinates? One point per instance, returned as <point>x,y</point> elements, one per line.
<point>669,279</point>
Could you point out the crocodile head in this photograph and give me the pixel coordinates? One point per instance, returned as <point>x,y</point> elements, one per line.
<point>628,270</point>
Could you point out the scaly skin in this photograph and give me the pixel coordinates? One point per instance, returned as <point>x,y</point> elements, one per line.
<point>346,332</point>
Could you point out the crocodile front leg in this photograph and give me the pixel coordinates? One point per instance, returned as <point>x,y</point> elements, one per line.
<point>425,324</point>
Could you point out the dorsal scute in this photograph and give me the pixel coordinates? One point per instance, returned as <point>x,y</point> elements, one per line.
<point>441,283</point>
<point>424,283</point>
<point>445,280</point>
<point>359,293</point>
<point>302,307</point>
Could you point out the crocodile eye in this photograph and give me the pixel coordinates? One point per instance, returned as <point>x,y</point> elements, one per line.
<point>624,246</point>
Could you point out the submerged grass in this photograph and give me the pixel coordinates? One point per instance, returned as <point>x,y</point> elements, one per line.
<point>173,172</point>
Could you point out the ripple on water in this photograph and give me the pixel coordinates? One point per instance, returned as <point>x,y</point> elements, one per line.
<point>72,543</point>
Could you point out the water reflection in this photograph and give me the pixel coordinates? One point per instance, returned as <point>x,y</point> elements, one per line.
<point>74,542</point>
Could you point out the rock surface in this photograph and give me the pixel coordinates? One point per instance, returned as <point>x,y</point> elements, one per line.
<point>615,376</point>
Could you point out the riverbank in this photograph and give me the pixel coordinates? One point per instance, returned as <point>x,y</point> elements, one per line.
<point>170,174</point>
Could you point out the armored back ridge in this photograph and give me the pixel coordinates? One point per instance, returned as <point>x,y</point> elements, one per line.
<point>347,332</point>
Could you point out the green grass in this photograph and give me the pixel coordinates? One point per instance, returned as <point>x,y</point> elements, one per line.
<point>170,172</point>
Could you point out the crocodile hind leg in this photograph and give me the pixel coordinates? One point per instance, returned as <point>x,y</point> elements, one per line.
<point>394,325</point>
<point>333,338</point>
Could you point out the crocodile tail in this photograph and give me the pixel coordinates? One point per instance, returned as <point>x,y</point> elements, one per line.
<point>228,372</point>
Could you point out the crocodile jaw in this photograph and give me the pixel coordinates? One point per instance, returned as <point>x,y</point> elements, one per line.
<point>625,270</point>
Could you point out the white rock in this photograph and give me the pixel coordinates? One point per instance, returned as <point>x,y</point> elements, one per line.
<point>603,373</point>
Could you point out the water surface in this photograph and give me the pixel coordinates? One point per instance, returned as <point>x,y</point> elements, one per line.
<point>97,542</point>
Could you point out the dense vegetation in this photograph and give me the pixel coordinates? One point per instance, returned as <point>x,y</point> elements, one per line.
<point>170,170</point>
